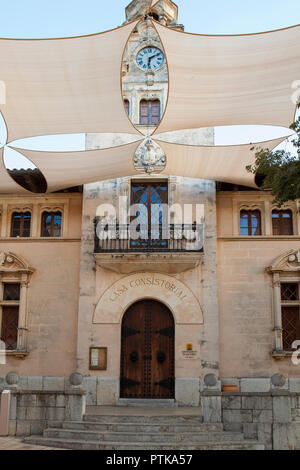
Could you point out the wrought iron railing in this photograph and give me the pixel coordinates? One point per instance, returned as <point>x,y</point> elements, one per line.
<point>119,238</point>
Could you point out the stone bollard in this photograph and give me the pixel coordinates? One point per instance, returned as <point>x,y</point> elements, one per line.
<point>211,400</point>
<point>12,379</point>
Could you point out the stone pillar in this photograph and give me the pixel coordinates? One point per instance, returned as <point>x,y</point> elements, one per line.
<point>4,223</point>
<point>22,330</point>
<point>277,312</point>
<point>268,228</point>
<point>283,432</point>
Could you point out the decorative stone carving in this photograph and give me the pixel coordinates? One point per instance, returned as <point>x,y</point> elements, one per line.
<point>166,289</point>
<point>11,262</point>
<point>210,380</point>
<point>12,378</point>
<point>278,380</point>
<point>288,262</point>
<point>149,157</point>
<point>76,379</point>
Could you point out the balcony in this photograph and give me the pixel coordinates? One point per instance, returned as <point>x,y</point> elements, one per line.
<point>171,248</point>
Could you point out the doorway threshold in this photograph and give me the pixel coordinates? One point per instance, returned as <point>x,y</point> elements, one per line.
<point>147,402</point>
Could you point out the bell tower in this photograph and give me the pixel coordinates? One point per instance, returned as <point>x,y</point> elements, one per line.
<point>164,11</point>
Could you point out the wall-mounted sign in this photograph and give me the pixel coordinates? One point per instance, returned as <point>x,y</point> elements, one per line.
<point>98,359</point>
<point>190,353</point>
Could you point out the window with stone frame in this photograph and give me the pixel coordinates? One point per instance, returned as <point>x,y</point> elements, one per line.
<point>51,224</point>
<point>15,274</point>
<point>150,112</point>
<point>282,222</point>
<point>10,306</point>
<point>127,107</point>
<point>290,313</point>
<point>250,223</point>
<point>20,224</point>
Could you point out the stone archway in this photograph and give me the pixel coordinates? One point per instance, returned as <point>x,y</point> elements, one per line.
<point>166,289</point>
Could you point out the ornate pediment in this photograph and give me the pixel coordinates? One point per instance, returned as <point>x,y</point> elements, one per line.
<point>13,263</point>
<point>289,262</point>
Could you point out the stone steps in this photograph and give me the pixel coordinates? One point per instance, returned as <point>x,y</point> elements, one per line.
<point>142,427</point>
<point>134,437</point>
<point>147,403</point>
<point>143,430</point>
<point>93,445</point>
<point>144,419</point>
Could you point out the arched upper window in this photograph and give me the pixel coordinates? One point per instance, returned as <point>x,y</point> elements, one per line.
<point>20,224</point>
<point>250,223</point>
<point>282,222</point>
<point>51,224</point>
<point>149,112</point>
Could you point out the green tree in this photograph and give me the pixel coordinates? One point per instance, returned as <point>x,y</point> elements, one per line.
<point>280,170</point>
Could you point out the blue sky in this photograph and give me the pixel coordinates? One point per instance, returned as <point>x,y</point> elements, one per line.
<point>58,18</point>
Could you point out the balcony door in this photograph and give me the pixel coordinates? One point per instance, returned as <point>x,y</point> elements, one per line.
<point>152,196</point>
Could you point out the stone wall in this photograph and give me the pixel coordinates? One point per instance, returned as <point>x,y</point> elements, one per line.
<point>32,411</point>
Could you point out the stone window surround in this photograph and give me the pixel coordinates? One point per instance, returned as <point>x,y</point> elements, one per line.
<point>283,271</point>
<point>266,208</point>
<point>19,273</point>
<point>36,207</point>
<point>288,206</point>
<point>252,207</point>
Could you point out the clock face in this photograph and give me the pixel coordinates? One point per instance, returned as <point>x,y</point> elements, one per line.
<point>150,58</point>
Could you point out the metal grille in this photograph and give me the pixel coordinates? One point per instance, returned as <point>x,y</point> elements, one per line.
<point>282,222</point>
<point>9,327</point>
<point>290,326</point>
<point>289,292</point>
<point>11,292</point>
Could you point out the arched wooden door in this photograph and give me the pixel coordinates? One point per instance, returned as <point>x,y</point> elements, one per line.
<point>147,351</point>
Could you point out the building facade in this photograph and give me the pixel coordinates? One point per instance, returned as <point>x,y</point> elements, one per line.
<point>150,319</point>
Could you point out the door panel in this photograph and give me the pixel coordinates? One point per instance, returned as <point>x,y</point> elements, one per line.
<point>147,351</point>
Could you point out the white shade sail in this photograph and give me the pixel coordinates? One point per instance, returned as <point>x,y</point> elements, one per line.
<point>66,169</point>
<point>226,164</point>
<point>64,86</point>
<point>7,184</point>
<point>230,80</point>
